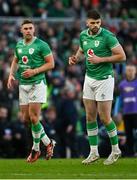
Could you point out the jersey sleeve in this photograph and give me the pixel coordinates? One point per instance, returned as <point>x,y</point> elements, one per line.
<point>112,41</point>
<point>45,49</point>
<point>80,42</point>
<point>17,49</point>
<point>16,52</point>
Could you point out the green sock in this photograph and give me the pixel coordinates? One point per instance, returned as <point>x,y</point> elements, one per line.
<point>112,133</point>
<point>92,130</point>
<point>36,134</point>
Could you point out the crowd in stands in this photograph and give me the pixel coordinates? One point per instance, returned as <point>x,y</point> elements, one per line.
<point>67,8</point>
<point>63,116</point>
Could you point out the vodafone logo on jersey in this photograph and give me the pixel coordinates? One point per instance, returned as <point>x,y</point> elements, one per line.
<point>90,52</point>
<point>25,59</point>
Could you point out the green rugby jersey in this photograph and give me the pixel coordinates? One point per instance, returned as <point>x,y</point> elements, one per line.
<point>31,56</point>
<point>101,44</point>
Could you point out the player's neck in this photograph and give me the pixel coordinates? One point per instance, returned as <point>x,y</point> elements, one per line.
<point>92,33</point>
<point>29,41</point>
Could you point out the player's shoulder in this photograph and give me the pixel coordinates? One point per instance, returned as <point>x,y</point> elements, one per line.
<point>19,43</point>
<point>106,32</point>
<point>84,32</point>
<point>40,41</point>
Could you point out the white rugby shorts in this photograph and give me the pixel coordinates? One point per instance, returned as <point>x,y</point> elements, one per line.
<point>98,90</point>
<point>35,93</point>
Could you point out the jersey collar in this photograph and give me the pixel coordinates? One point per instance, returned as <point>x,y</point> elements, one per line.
<point>30,42</point>
<point>93,36</point>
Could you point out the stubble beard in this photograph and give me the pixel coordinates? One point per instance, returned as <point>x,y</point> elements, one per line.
<point>28,38</point>
<point>94,31</point>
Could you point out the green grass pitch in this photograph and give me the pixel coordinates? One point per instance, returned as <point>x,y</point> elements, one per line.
<point>125,168</point>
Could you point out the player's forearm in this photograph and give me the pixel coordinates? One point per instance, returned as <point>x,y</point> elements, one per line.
<point>114,58</point>
<point>49,64</point>
<point>79,53</point>
<point>13,68</point>
<point>44,68</point>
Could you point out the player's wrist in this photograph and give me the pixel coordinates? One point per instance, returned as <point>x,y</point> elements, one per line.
<point>36,71</point>
<point>103,59</point>
<point>11,74</point>
<point>76,59</point>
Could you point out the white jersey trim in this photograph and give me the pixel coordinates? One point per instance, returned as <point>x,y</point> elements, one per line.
<point>48,55</point>
<point>115,46</point>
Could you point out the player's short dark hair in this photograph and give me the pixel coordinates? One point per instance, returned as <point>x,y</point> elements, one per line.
<point>27,21</point>
<point>94,14</point>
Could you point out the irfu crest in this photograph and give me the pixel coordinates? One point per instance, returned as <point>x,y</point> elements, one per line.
<point>31,51</point>
<point>96,43</point>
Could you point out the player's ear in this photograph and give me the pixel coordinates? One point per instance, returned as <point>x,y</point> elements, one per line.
<point>87,23</point>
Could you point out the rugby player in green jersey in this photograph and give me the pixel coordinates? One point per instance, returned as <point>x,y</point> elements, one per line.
<point>33,57</point>
<point>100,48</point>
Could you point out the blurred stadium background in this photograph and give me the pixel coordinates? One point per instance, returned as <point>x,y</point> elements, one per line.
<point>59,22</point>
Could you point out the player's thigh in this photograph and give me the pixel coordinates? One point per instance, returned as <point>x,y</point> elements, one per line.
<point>23,94</point>
<point>91,109</point>
<point>104,90</point>
<point>25,113</point>
<point>38,93</point>
<point>88,92</point>
<point>104,110</point>
<point>34,112</point>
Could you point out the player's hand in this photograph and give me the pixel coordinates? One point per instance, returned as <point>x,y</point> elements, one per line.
<point>28,73</point>
<point>72,60</point>
<point>10,82</point>
<point>94,59</point>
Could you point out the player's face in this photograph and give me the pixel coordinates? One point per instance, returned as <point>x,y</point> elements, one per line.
<point>28,31</point>
<point>93,25</point>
